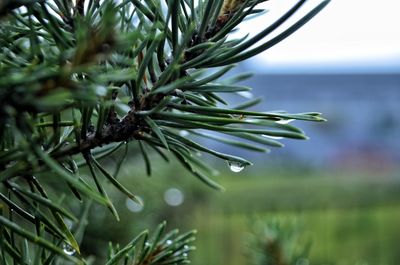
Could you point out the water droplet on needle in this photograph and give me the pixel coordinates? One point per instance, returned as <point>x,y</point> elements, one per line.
<point>134,206</point>
<point>68,249</point>
<point>235,166</point>
<point>183,133</point>
<point>284,121</point>
<point>272,137</point>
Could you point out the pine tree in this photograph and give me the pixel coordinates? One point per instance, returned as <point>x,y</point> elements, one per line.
<point>82,79</point>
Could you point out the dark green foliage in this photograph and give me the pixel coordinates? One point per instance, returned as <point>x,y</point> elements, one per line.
<point>275,242</point>
<point>171,248</point>
<point>80,80</point>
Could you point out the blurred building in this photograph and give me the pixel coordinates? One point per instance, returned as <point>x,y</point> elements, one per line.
<point>363,112</point>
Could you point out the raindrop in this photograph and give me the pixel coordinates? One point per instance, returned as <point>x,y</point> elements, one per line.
<point>169,242</point>
<point>284,121</point>
<point>183,133</point>
<point>101,91</point>
<point>174,197</point>
<point>147,244</point>
<point>186,247</point>
<point>184,255</point>
<point>245,94</point>
<point>68,223</point>
<point>272,137</point>
<point>235,166</point>
<point>134,206</point>
<point>68,249</point>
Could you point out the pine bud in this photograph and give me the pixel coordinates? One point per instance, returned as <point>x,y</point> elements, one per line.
<point>230,6</point>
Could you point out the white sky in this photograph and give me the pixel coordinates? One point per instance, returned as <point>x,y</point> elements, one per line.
<point>348,35</point>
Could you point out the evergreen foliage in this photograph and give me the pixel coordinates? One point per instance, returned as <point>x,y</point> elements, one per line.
<point>275,242</point>
<point>81,79</point>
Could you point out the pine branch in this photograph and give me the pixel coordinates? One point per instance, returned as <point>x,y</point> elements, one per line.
<point>78,82</point>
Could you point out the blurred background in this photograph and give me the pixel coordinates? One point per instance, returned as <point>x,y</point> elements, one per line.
<point>341,188</point>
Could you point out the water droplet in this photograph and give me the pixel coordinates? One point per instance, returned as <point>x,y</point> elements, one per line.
<point>101,91</point>
<point>184,255</point>
<point>186,247</point>
<point>236,116</point>
<point>245,94</point>
<point>183,133</point>
<point>68,223</point>
<point>272,137</point>
<point>147,244</point>
<point>68,249</point>
<point>284,121</point>
<point>169,242</point>
<point>174,197</point>
<point>235,166</point>
<point>134,206</point>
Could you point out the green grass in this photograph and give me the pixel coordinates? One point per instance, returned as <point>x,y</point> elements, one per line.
<point>350,218</point>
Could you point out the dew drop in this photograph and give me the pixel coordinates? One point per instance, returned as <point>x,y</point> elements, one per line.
<point>134,206</point>
<point>183,133</point>
<point>235,166</point>
<point>284,121</point>
<point>186,247</point>
<point>68,249</point>
<point>184,255</point>
<point>272,137</point>
<point>101,91</point>
<point>169,242</point>
<point>245,94</point>
<point>68,223</point>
